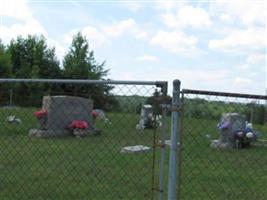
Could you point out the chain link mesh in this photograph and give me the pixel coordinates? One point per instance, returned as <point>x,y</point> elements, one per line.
<point>209,171</point>
<point>76,167</point>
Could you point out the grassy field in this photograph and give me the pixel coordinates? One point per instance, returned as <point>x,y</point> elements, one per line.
<point>207,173</point>
<point>74,168</point>
<point>94,168</point>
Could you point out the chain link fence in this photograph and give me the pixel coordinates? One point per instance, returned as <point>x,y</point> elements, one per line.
<point>75,139</point>
<point>80,139</point>
<point>223,146</point>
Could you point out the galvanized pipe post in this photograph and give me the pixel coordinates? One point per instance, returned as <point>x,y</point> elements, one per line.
<point>164,106</point>
<point>163,147</point>
<point>174,141</point>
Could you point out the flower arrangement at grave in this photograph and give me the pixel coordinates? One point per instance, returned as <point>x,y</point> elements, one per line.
<point>81,128</point>
<point>41,115</point>
<point>243,136</point>
<point>78,124</point>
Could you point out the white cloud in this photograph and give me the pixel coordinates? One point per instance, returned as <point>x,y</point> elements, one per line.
<point>240,41</point>
<point>243,67</point>
<point>148,58</point>
<point>31,26</point>
<point>255,58</point>
<point>119,28</point>
<point>169,5</point>
<point>25,22</point>
<point>143,35</point>
<point>241,82</point>
<point>175,42</point>
<point>225,17</point>
<point>187,16</point>
<point>16,9</point>
<point>133,6</point>
<point>245,11</point>
<point>201,78</point>
<point>128,26</point>
<point>94,36</point>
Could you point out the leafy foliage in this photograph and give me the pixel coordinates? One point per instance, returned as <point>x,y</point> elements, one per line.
<point>80,63</point>
<point>5,63</point>
<point>32,58</point>
<point>202,109</point>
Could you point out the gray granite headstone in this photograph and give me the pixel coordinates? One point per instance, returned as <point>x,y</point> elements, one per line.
<point>145,118</point>
<point>61,111</point>
<point>229,124</point>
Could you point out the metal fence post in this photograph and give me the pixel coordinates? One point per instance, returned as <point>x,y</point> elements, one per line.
<point>164,107</point>
<point>174,141</point>
<point>162,153</point>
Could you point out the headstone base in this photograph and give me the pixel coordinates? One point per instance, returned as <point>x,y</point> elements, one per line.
<point>86,132</point>
<point>221,145</point>
<point>39,133</point>
<point>62,133</point>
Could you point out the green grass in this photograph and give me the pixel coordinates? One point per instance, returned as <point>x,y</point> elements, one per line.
<point>74,168</point>
<point>94,168</point>
<point>238,174</point>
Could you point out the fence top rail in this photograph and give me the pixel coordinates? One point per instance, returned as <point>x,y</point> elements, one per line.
<point>84,81</point>
<point>224,94</point>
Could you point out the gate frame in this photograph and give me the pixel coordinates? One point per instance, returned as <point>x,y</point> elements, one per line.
<point>163,85</point>
<point>183,92</point>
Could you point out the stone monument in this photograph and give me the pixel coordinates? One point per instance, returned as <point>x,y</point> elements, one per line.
<point>229,126</point>
<point>145,117</point>
<point>58,112</point>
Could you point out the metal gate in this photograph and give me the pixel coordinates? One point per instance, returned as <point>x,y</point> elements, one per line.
<point>116,158</point>
<point>119,149</point>
<point>212,171</point>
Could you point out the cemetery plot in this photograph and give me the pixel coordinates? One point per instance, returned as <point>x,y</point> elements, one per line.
<point>222,153</point>
<point>63,116</point>
<point>45,154</point>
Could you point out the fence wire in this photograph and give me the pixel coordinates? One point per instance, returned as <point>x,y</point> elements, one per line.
<point>67,141</point>
<point>223,146</point>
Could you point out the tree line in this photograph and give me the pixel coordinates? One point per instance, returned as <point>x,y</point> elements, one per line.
<point>31,58</point>
<point>204,109</point>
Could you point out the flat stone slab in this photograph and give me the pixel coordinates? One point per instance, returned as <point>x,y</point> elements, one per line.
<point>168,142</point>
<point>135,149</point>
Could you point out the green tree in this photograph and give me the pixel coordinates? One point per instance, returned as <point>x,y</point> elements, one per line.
<point>80,63</point>
<point>5,72</point>
<point>157,100</point>
<point>5,62</point>
<point>32,58</point>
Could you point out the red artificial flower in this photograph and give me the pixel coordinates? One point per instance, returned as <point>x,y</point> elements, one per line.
<point>40,113</point>
<point>94,114</point>
<point>78,124</point>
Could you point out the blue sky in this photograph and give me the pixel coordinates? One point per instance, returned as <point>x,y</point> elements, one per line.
<point>208,45</point>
